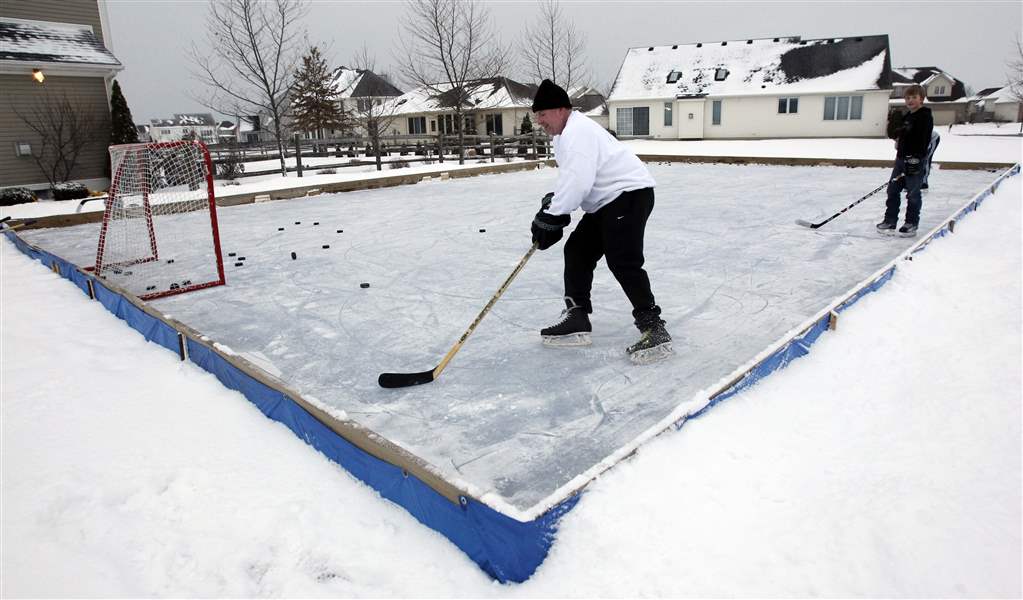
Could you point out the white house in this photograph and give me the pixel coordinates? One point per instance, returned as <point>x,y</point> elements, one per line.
<point>754,88</point>
<point>999,104</point>
<point>201,125</point>
<point>358,90</point>
<point>946,95</point>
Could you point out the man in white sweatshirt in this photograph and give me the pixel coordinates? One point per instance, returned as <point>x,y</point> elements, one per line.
<point>601,176</point>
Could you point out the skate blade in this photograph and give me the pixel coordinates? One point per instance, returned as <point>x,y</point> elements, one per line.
<point>907,235</point>
<point>567,341</point>
<point>652,355</point>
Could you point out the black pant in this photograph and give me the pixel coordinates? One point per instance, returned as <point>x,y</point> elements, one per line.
<point>614,232</point>
<point>910,183</point>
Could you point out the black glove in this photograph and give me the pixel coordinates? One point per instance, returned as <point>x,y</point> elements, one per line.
<point>547,228</point>
<point>912,165</point>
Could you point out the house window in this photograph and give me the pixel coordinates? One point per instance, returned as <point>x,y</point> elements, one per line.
<point>364,104</point>
<point>433,126</point>
<point>667,114</point>
<point>843,108</point>
<point>720,74</point>
<point>495,124</point>
<point>416,125</point>
<point>715,112</point>
<point>634,120</point>
<point>788,105</point>
<point>674,76</point>
<point>939,90</point>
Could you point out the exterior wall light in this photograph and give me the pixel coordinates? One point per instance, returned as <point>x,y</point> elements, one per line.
<point>38,75</point>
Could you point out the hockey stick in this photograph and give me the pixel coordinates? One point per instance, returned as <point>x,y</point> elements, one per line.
<point>397,380</point>
<point>825,221</point>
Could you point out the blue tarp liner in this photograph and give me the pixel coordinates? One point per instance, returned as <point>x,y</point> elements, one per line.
<point>505,548</point>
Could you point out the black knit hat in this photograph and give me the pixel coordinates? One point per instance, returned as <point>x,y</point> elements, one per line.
<point>550,95</point>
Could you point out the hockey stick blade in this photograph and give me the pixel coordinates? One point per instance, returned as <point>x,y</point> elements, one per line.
<point>400,380</point>
<point>803,223</point>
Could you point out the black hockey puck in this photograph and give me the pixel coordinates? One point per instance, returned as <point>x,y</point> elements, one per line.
<point>150,288</point>
<point>280,229</point>
<point>325,246</point>
<point>483,230</point>
<point>293,256</point>
<point>364,285</point>
<point>340,230</point>
<point>298,222</point>
<point>238,264</point>
<point>186,282</point>
<point>170,260</point>
<point>231,253</point>
<point>174,286</point>
<point>241,258</point>
<point>316,222</point>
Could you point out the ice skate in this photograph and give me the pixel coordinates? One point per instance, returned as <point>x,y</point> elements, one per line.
<point>572,330</point>
<point>886,227</point>
<point>908,230</point>
<point>653,345</point>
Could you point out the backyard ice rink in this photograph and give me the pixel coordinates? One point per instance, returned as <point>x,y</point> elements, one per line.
<point>518,424</point>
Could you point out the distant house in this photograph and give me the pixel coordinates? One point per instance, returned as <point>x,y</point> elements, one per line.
<point>998,104</point>
<point>754,88</point>
<point>227,132</point>
<point>143,133</point>
<point>358,90</point>
<point>53,50</point>
<point>200,126</point>
<point>946,95</point>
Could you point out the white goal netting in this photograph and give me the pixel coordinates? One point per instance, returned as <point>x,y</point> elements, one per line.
<point>159,235</point>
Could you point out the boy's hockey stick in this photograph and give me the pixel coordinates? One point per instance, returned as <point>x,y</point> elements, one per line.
<point>825,221</point>
<point>397,380</point>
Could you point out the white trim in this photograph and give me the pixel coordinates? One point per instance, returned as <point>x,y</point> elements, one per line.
<point>44,23</point>
<point>65,69</point>
<point>104,22</point>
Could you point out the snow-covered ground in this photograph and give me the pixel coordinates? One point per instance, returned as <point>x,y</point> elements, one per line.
<point>885,464</point>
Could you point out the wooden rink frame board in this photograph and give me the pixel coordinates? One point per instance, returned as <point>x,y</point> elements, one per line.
<point>380,448</point>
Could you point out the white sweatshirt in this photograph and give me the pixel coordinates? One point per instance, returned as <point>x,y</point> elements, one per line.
<point>593,167</point>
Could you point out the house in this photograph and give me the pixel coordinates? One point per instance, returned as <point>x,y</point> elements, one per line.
<point>227,132</point>
<point>50,51</point>
<point>998,104</point>
<point>200,126</point>
<point>358,90</point>
<point>143,132</point>
<point>946,95</point>
<point>754,88</point>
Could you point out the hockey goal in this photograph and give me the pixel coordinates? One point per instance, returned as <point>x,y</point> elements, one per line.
<point>159,235</point>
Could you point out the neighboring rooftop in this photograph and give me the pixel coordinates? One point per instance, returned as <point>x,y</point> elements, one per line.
<point>186,120</point>
<point>902,76</point>
<point>362,83</point>
<point>754,67</point>
<point>47,42</point>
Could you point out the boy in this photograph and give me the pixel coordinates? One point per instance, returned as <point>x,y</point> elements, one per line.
<point>912,140</point>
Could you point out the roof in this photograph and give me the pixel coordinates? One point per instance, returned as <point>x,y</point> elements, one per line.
<point>186,120</point>
<point>492,93</point>
<point>766,66</point>
<point>986,91</point>
<point>924,76</point>
<point>997,95</point>
<point>46,42</point>
<point>362,83</point>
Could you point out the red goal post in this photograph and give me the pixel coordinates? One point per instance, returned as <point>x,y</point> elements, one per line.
<point>160,235</point>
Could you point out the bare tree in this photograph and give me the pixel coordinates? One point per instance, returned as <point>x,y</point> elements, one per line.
<point>1015,77</point>
<point>254,48</point>
<point>552,48</point>
<point>449,49</point>
<point>64,129</point>
<point>364,59</point>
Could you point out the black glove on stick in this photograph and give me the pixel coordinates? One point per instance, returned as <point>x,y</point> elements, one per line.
<point>548,229</point>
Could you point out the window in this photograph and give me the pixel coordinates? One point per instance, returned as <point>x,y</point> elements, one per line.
<point>843,108</point>
<point>364,104</point>
<point>416,125</point>
<point>634,120</point>
<point>667,114</point>
<point>716,112</point>
<point>720,74</point>
<point>788,105</point>
<point>939,90</point>
<point>495,124</point>
<point>433,126</point>
<point>674,76</point>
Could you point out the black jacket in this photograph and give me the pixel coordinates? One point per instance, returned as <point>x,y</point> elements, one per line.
<point>915,133</point>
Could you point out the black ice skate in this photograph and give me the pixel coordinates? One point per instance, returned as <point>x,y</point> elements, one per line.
<point>572,330</point>
<point>886,227</point>
<point>653,345</point>
<point>907,230</point>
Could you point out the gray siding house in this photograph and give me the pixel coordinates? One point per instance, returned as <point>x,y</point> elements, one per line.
<point>65,44</point>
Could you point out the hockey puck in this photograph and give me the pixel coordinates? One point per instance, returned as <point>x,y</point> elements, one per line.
<point>186,282</point>
<point>293,256</point>
<point>364,285</point>
<point>238,264</point>
<point>170,260</point>
<point>298,222</point>
<point>174,286</point>
<point>231,253</point>
<point>316,222</point>
<point>325,246</point>
<point>280,229</point>
<point>340,230</point>
<point>483,230</point>
<point>150,288</point>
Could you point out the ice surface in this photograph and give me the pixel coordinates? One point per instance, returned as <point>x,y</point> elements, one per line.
<point>516,420</point>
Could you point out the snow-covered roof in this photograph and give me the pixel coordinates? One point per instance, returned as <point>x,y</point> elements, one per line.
<point>226,126</point>
<point>47,42</point>
<point>186,120</point>
<point>767,66</point>
<point>485,94</point>
<point>998,95</point>
<point>361,83</point>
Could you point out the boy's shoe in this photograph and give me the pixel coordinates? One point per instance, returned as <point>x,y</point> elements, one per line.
<point>907,230</point>
<point>654,344</point>
<point>572,330</point>
<point>886,227</point>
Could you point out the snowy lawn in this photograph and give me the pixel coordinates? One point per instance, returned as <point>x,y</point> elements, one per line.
<point>885,464</point>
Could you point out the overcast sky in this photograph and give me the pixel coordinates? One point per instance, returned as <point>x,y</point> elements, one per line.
<point>970,40</point>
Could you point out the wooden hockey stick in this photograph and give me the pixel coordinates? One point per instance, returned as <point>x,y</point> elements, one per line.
<point>397,380</point>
